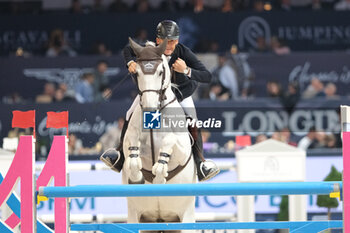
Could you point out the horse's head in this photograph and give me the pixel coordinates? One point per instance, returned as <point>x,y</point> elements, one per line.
<point>153,74</point>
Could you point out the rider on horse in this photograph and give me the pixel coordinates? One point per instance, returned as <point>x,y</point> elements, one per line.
<point>187,71</point>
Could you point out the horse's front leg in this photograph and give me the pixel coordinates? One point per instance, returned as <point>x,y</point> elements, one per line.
<point>133,163</point>
<point>160,168</point>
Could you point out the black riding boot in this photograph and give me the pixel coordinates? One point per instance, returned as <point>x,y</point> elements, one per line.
<point>116,160</point>
<point>206,169</point>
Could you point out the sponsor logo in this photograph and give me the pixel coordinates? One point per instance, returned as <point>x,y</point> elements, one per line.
<point>149,66</point>
<point>69,76</point>
<point>252,28</point>
<point>34,39</point>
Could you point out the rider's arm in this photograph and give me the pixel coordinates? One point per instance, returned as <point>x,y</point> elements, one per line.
<point>129,55</point>
<point>129,58</point>
<point>197,70</point>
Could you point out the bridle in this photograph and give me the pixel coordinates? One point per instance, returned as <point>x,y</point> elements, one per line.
<point>161,97</point>
<point>161,91</point>
<point>153,65</point>
<point>149,62</point>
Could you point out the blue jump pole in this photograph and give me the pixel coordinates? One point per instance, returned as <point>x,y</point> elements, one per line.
<point>208,189</point>
<point>294,227</point>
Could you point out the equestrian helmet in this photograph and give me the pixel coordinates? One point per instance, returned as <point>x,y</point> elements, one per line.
<point>168,29</point>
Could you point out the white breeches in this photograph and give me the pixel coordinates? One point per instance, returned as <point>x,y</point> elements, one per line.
<point>187,105</point>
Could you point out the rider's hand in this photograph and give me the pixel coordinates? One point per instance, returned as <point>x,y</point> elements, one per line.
<point>132,67</point>
<point>179,65</point>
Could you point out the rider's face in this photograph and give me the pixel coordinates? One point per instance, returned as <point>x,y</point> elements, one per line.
<point>170,47</point>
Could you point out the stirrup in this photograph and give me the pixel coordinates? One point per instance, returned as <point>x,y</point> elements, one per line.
<point>207,173</point>
<point>109,161</point>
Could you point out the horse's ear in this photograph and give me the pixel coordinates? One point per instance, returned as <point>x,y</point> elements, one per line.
<point>161,48</point>
<point>135,46</point>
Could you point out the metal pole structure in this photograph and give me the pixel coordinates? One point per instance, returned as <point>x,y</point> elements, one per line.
<point>297,227</point>
<point>345,126</point>
<point>209,189</point>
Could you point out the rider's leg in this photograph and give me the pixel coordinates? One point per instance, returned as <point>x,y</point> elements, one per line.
<point>206,169</point>
<point>116,161</point>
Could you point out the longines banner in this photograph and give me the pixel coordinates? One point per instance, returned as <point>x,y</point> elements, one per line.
<point>300,30</point>
<point>27,76</point>
<point>229,119</point>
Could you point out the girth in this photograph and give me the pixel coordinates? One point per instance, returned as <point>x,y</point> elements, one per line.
<point>148,175</point>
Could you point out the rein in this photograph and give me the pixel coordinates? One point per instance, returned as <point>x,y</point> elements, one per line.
<point>152,147</point>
